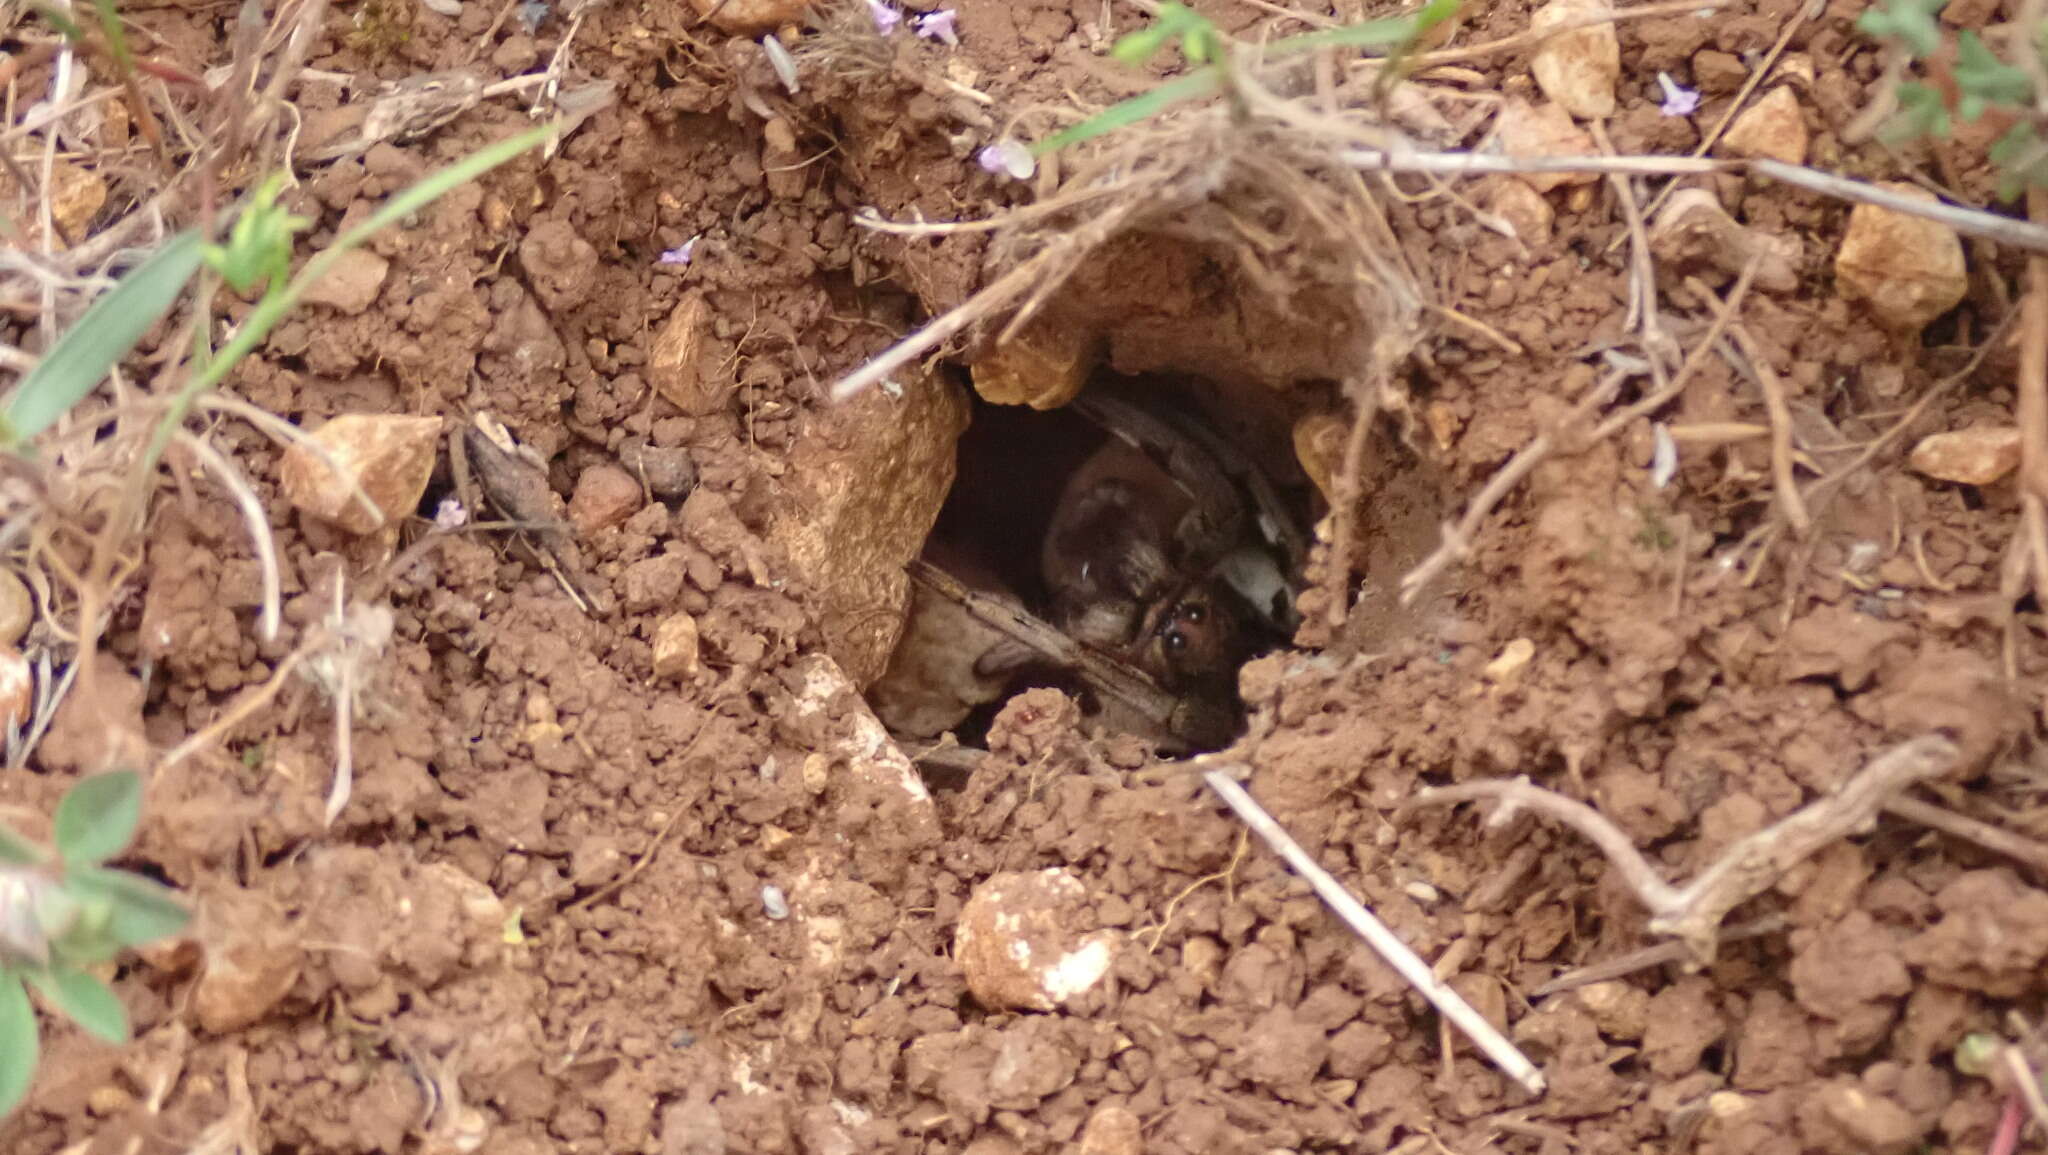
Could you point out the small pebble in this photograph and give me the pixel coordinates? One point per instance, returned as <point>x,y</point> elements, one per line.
<point>17,608</point>
<point>772,902</point>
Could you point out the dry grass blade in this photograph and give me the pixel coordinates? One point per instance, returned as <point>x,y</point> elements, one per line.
<point>1457,539</point>
<point>1389,946</point>
<point>256,519</point>
<point>1693,913</point>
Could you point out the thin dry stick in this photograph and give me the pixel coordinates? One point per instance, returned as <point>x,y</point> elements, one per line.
<point>258,521</point>
<point>2032,410</point>
<point>1651,956</point>
<point>1382,940</point>
<point>1723,314</point>
<point>1422,60</point>
<point>2020,234</point>
<point>248,704</point>
<point>1786,482</point>
<point>2027,1084</point>
<point>1365,408</point>
<point>1992,838</point>
<point>1457,539</point>
<point>1693,913</point>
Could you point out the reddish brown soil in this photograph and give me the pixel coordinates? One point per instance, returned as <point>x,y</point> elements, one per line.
<point>546,896</point>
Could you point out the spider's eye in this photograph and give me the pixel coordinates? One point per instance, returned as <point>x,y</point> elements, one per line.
<point>1194,612</point>
<point>1175,641</point>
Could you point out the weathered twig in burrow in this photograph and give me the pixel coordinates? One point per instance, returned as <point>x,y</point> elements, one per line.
<point>1693,913</point>
<point>1491,1042</point>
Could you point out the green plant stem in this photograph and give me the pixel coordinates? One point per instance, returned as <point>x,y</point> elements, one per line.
<point>279,301</point>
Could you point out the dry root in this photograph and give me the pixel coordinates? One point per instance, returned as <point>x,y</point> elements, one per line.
<point>1693,913</point>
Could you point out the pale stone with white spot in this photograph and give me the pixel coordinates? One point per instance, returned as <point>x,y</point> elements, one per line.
<point>1028,941</point>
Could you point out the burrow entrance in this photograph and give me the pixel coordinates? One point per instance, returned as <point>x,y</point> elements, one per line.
<point>1160,523</point>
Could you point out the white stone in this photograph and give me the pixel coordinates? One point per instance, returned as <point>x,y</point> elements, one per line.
<point>1577,69</point>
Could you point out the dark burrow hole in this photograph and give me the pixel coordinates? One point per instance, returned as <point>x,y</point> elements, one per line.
<point>1162,522</point>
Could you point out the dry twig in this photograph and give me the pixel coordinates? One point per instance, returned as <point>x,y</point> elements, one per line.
<point>1693,913</point>
<point>1456,1010</point>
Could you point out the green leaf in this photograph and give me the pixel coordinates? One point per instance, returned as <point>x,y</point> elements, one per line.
<point>1908,22</point>
<point>1144,106</point>
<point>97,817</point>
<point>140,910</point>
<point>1986,80</point>
<point>1921,115</point>
<point>97,342</point>
<point>1198,36</point>
<point>18,851</point>
<point>279,301</point>
<point>17,1042</point>
<point>84,1000</point>
<point>117,38</point>
<point>64,25</point>
<point>1392,30</point>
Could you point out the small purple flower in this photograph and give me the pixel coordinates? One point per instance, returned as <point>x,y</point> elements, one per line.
<point>939,25</point>
<point>1678,101</point>
<point>450,514</point>
<point>1007,156</point>
<point>886,18</point>
<point>680,255</point>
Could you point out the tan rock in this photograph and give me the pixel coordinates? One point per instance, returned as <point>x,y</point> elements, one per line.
<point>1873,1123</point>
<point>1043,366</point>
<point>1444,424</point>
<point>17,609</point>
<point>17,688</point>
<point>1525,129</point>
<point>684,367</point>
<point>76,197</point>
<point>676,647</point>
<point>749,17</point>
<point>605,496</point>
<point>389,456</point>
<point>1906,269</point>
<point>1694,236</point>
<point>1113,1131</point>
<point>1509,662</point>
<point>250,961</point>
<point>1525,210</point>
<point>865,483</point>
<point>1577,69</point>
<point>352,284</point>
<point>1027,941</point>
<point>1976,456</point>
<point>1319,447</point>
<point>1620,1010</point>
<point>1773,127</point>
<point>1797,68</point>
